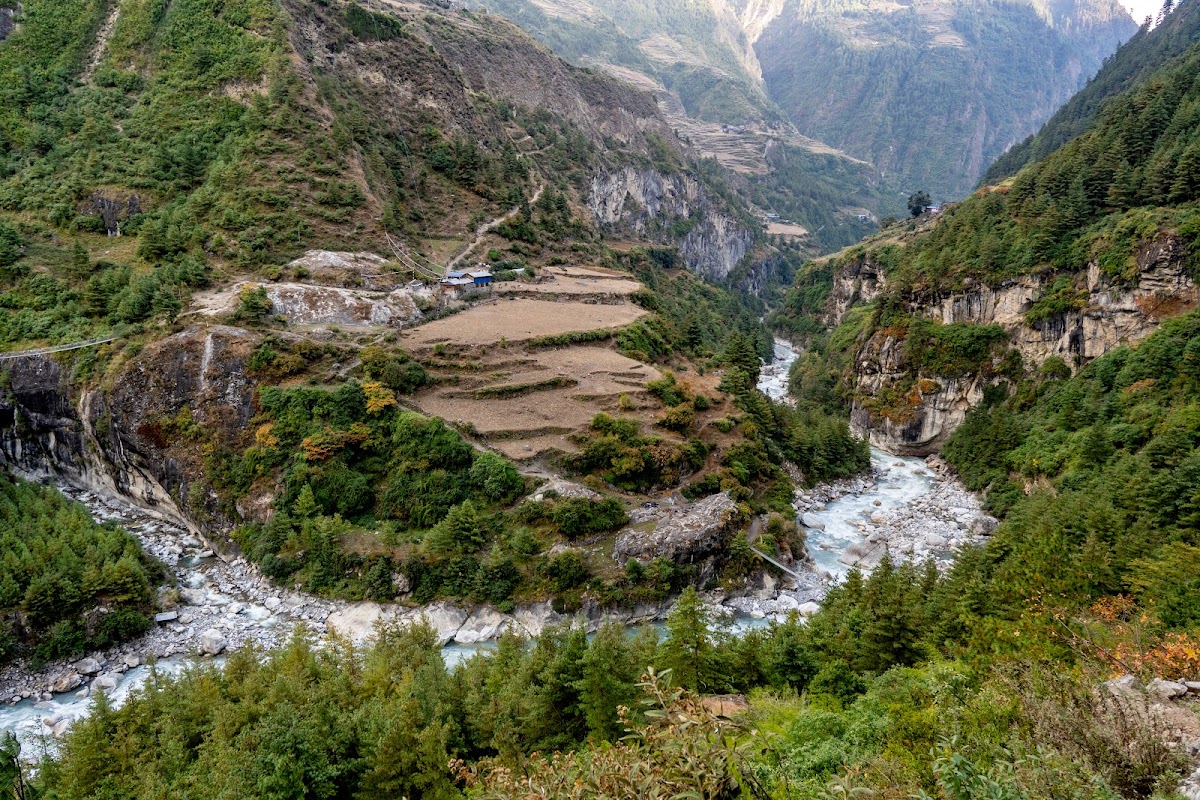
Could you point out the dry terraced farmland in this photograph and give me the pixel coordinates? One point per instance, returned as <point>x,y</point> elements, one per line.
<point>526,400</point>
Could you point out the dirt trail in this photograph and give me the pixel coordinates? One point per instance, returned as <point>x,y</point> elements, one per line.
<point>483,229</point>
<point>106,29</point>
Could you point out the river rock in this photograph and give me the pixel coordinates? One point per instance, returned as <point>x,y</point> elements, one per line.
<point>808,609</point>
<point>212,642</point>
<point>686,537</point>
<point>131,660</point>
<point>257,613</point>
<point>484,623</point>
<point>983,525</point>
<point>357,622</point>
<point>812,521</point>
<point>193,597</point>
<point>108,681</point>
<point>66,683</point>
<point>863,555</point>
<point>87,666</point>
<point>166,616</point>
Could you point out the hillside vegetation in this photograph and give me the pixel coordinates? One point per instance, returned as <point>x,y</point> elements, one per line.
<point>190,145</point>
<point>1144,53</point>
<point>66,583</point>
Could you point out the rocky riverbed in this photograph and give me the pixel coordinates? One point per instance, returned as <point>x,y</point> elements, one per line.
<point>909,508</point>
<point>905,506</point>
<point>215,605</point>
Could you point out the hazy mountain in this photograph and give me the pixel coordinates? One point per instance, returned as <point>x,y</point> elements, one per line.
<point>932,92</point>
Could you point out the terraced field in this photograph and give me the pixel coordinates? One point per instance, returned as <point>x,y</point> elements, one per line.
<point>499,378</point>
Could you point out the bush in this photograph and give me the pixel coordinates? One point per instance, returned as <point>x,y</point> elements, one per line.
<point>578,516</point>
<point>566,571</point>
<point>496,478</point>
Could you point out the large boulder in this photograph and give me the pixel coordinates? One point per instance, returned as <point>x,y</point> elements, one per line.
<point>687,537</point>
<point>356,622</point>
<point>108,681</point>
<point>212,642</point>
<point>983,525</point>
<point>1165,690</point>
<point>88,666</point>
<point>66,683</point>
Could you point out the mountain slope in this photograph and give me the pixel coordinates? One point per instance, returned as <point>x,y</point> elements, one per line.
<point>1139,58</point>
<point>231,142</point>
<point>1088,249</point>
<point>931,92</point>
<point>698,59</point>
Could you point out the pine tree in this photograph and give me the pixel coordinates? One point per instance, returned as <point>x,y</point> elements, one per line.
<point>166,302</point>
<point>81,264</point>
<point>740,353</point>
<point>609,680</point>
<point>1186,186</point>
<point>306,503</point>
<point>689,650</point>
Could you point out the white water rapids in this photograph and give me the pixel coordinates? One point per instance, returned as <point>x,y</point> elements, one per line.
<point>897,484</point>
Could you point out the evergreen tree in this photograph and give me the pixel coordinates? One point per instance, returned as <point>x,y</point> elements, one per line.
<point>608,680</point>
<point>689,650</point>
<point>740,353</point>
<point>918,202</point>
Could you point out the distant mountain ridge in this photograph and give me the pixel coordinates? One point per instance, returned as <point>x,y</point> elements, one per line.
<point>926,93</point>
<point>1141,56</point>
<point>932,92</point>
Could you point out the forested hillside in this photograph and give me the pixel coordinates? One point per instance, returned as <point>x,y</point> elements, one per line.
<point>142,148</point>
<point>1091,244</point>
<point>1142,55</point>
<point>932,93</point>
<point>67,583</point>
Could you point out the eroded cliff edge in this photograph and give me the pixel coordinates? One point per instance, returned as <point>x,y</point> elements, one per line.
<point>913,411</point>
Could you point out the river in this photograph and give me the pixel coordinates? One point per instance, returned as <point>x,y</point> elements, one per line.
<point>903,506</point>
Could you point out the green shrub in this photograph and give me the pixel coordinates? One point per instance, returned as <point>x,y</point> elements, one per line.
<point>579,516</point>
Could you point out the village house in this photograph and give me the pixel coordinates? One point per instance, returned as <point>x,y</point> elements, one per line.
<point>458,282</point>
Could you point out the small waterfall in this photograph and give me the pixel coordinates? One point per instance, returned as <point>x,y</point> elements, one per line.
<point>205,359</point>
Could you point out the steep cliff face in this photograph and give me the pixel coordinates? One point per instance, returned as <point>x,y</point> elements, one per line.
<point>674,209</point>
<point>922,410</point>
<point>138,437</point>
<point>6,22</point>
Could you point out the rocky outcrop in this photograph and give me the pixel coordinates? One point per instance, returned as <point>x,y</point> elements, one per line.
<point>1109,314</point>
<point>6,23</point>
<point>136,436</point>
<point>673,209</point>
<point>305,304</point>
<point>861,280</point>
<point>687,537</point>
<point>350,270</point>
